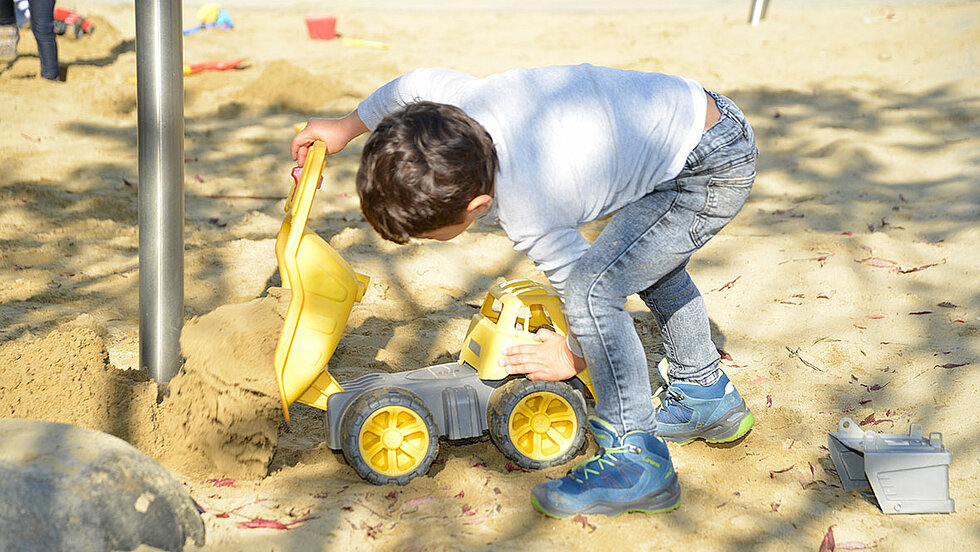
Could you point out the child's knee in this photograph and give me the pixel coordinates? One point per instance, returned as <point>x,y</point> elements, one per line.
<point>591,291</point>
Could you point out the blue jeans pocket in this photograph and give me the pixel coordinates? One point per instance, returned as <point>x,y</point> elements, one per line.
<point>726,195</point>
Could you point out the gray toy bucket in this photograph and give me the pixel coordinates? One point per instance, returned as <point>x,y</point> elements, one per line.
<point>909,474</point>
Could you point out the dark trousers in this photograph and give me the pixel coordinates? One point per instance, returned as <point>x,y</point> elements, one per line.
<point>42,24</point>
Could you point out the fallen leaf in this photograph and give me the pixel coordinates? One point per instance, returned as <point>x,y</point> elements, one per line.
<point>828,545</point>
<point>584,521</point>
<point>947,305</point>
<point>372,531</point>
<point>476,519</point>
<point>759,379</point>
<point>223,482</point>
<point>477,462</point>
<point>951,365</point>
<point>768,401</point>
<point>419,500</point>
<point>878,262</point>
<point>725,355</point>
<point>459,495</point>
<point>865,401</point>
<point>222,515</point>
<point>878,316</point>
<point>920,312</point>
<point>772,473</point>
<point>916,268</point>
<point>511,468</point>
<point>775,506</point>
<point>260,523</point>
<point>872,420</point>
<point>807,479</point>
<point>727,285</point>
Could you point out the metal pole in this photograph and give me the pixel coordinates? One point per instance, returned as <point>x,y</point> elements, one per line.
<point>758,10</point>
<point>160,143</point>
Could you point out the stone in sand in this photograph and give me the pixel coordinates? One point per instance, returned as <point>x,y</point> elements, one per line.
<point>67,488</point>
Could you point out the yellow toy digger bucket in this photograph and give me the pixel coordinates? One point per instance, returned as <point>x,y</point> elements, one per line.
<point>324,289</point>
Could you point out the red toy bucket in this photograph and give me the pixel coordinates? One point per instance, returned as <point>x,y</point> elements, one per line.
<point>322,27</point>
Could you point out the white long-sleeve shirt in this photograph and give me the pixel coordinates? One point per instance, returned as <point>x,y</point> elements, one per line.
<point>575,143</point>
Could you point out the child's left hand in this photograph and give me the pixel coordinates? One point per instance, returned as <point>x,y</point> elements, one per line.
<point>550,360</point>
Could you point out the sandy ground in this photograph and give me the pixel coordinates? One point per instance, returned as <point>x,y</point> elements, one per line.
<point>847,286</point>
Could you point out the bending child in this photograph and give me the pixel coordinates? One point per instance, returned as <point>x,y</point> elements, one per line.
<point>546,150</point>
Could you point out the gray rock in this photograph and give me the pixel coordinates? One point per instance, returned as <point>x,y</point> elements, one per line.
<point>67,488</point>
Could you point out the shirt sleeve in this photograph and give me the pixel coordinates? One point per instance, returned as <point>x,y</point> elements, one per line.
<point>433,84</point>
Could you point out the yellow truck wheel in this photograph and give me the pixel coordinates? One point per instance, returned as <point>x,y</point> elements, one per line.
<point>537,424</point>
<point>389,436</point>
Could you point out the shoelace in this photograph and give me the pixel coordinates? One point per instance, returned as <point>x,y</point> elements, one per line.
<point>673,398</point>
<point>603,458</point>
<point>673,402</point>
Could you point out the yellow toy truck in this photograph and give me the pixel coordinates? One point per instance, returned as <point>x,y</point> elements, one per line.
<point>388,425</point>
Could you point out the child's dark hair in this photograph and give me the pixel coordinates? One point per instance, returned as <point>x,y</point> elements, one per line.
<point>421,168</point>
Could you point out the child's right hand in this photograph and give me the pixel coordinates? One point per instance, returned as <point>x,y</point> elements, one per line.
<point>334,133</point>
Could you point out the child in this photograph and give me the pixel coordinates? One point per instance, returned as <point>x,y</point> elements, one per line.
<point>547,150</point>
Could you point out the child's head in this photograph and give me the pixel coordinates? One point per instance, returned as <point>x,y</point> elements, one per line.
<point>423,169</point>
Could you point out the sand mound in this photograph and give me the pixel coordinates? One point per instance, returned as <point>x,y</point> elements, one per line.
<point>222,412</point>
<point>65,377</point>
<point>225,404</point>
<point>293,88</point>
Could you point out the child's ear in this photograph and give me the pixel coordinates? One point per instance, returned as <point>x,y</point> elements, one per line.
<point>479,204</point>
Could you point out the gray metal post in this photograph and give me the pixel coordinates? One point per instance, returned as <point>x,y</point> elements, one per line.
<point>160,112</point>
<point>758,10</point>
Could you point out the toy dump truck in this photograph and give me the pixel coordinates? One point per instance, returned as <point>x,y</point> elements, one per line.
<point>388,425</point>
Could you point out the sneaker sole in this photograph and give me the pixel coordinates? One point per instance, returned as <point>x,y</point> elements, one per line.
<point>723,431</point>
<point>615,509</point>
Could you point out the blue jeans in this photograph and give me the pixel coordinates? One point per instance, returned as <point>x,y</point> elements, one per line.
<point>645,249</point>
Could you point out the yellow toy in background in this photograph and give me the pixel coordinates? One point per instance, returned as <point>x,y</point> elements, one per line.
<point>208,13</point>
<point>388,425</point>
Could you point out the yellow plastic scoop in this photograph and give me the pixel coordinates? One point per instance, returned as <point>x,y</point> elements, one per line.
<point>324,289</point>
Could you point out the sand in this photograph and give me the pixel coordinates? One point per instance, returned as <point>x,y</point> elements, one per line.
<point>846,287</point>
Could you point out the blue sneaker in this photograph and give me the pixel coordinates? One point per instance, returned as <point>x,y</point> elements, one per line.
<point>630,473</point>
<point>715,413</point>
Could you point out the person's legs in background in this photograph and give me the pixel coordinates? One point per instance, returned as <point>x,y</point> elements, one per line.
<point>8,31</point>
<point>42,24</point>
